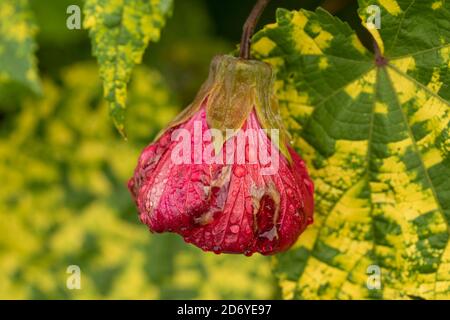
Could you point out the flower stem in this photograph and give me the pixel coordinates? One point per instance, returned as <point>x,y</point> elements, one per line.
<point>249,27</point>
<point>380,60</point>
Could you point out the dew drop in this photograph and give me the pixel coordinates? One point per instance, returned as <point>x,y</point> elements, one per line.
<point>112,20</point>
<point>234,228</point>
<point>239,171</point>
<point>289,192</point>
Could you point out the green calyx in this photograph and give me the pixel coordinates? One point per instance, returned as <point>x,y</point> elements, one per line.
<point>233,89</point>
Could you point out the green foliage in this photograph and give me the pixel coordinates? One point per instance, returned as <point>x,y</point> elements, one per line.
<point>120,32</point>
<point>375,134</point>
<point>376,139</point>
<point>66,203</point>
<point>17,45</point>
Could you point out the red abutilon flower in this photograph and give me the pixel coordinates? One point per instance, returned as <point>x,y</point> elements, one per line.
<point>223,175</point>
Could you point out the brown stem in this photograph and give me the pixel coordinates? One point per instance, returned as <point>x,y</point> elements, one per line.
<point>249,27</point>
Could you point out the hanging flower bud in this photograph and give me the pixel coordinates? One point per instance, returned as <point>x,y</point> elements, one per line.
<point>222,175</point>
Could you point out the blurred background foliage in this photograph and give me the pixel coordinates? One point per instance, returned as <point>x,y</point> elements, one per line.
<point>64,167</point>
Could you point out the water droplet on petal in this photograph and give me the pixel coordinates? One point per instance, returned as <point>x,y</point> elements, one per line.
<point>289,192</point>
<point>234,228</point>
<point>239,171</point>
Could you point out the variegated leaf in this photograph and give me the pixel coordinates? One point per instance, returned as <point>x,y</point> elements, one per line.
<point>120,31</point>
<point>17,45</point>
<point>375,133</point>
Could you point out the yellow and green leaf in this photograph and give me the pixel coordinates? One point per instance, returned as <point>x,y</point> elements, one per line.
<point>120,31</point>
<point>376,137</point>
<point>17,44</point>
